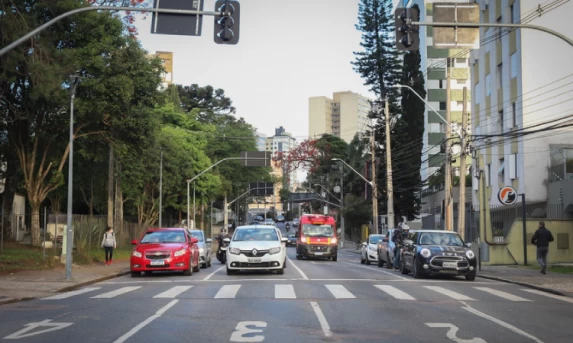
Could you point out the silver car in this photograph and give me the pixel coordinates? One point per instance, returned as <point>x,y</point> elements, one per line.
<point>204,246</point>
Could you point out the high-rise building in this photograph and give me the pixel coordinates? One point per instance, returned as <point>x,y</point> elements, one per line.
<point>434,62</point>
<point>345,115</point>
<point>522,82</point>
<point>261,141</point>
<point>167,58</point>
<point>280,142</point>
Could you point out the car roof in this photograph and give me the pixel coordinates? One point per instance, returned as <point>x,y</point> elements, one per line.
<point>195,230</point>
<point>255,226</point>
<point>437,231</point>
<point>166,229</point>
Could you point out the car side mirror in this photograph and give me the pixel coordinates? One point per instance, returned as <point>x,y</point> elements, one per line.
<point>134,242</point>
<point>468,245</point>
<point>208,240</point>
<point>364,243</point>
<point>385,240</point>
<point>284,240</point>
<point>227,240</point>
<point>194,240</point>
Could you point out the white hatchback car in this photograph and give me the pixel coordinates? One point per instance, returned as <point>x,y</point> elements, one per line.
<point>256,247</point>
<point>369,251</point>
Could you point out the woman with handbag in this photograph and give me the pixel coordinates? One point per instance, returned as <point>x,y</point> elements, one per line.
<point>108,243</point>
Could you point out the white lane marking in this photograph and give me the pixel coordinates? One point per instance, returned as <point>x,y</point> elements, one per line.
<point>378,270</point>
<point>213,273</point>
<point>501,294</point>
<point>132,282</point>
<point>395,292</point>
<point>243,329</point>
<point>117,292</point>
<point>452,333</point>
<point>141,325</point>
<point>173,292</point>
<point>549,295</point>
<point>321,319</point>
<point>284,292</point>
<point>227,292</point>
<point>340,292</point>
<point>72,293</point>
<point>501,323</point>
<point>48,324</point>
<point>297,268</point>
<point>451,294</point>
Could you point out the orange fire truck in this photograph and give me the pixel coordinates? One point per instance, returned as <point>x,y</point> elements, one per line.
<point>316,237</point>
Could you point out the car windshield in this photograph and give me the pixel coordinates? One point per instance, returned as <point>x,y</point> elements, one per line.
<point>164,236</point>
<point>312,230</point>
<point>198,235</point>
<point>291,235</point>
<point>375,239</point>
<point>438,238</point>
<point>255,235</point>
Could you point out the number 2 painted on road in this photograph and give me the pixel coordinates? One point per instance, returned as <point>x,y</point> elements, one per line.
<point>242,329</point>
<point>453,330</point>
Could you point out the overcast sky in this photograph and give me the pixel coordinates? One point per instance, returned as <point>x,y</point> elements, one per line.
<point>288,51</point>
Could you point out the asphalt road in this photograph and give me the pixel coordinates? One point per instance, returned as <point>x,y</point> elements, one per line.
<point>314,301</point>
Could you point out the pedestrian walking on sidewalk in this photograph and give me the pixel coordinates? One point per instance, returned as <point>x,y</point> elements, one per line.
<point>108,243</point>
<point>541,239</point>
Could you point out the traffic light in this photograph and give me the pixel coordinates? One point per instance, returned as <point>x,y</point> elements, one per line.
<point>227,22</point>
<point>407,35</point>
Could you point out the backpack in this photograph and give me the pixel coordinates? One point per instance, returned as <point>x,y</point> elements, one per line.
<point>108,240</point>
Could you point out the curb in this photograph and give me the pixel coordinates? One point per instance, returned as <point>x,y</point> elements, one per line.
<point>69,288</point>
<point>528,285</point>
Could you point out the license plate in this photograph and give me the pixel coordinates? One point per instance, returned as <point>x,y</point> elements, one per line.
<point>318,253</point>
<point>157,263</point>
<point>255,260</point>
<point>450,264</point>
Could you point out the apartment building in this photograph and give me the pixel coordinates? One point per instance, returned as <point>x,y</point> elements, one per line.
<point>167,58</point>
<point>345,115</point>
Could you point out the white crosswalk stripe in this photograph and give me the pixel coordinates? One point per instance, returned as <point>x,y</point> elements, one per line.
<point>117,292</point>
<point>447,292</point>
<point>72,293</point>
<point>549,295</point>
<point>284,292</point>
<point>340,292</point>
<point>501,294</point>
<point>173,292</point>
<point>227,292</point>
<point>395,292</point>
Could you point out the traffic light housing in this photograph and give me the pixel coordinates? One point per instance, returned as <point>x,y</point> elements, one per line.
<point>227,22</point>
<point>407,35</point>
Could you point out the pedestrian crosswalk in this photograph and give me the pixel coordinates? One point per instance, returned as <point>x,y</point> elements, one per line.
<point>316,291</point>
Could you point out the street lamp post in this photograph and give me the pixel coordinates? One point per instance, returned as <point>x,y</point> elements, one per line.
<point>74,80</point>
<point>161,189</point>
<point>188,203</point>
<point>194,208</point>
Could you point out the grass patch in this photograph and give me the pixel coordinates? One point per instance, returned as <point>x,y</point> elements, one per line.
<point>556,269</point>
<point>24,257</point>
<point>98,255</point>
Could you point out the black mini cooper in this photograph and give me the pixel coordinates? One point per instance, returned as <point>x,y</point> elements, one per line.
<point>438,252</point>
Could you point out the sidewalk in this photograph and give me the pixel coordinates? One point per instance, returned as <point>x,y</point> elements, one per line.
<point>26,285</point>
<point>556,283</point>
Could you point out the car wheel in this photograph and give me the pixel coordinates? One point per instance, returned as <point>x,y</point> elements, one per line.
<point>367,260</point>
<point>417,272</point>
<point>388,262</point>
<point>197,268</point>
<point>209,263</point>
<point>403,269</point>
<point>335,258</point>
<point>135,274</point>
<point>284,264</point>
<point>380,262</point>
<point>281,271</point>
<point>471,277</point>
<point>189,270</point>
<point>147,273</point>
<point>230,271</point>
<point>362,261</point>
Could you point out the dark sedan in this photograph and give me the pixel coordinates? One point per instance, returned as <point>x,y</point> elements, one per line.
<point>291,240</point>
<point>438,252</point>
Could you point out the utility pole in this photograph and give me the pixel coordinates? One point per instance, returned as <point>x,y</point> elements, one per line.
<point>462,202</point>
<point>374,228</point>
<point>448,167</point>
<point>161,188</point>
<point>225,214</point>
<point>74,80</point>
<point>194,208</point>
<point>390,184</point>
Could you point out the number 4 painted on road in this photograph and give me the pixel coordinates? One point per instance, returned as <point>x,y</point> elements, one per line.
<point>44,323</point>
<point>453,330</point>
<point>242,329</point>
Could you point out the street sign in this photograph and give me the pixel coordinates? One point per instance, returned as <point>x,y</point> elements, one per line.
<point>262,188</point>
<point>507,195</point>
<point>450,37</point>
<point>177,24</point>
<point>256,158</point>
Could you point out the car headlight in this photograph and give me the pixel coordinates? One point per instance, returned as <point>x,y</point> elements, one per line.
<point>274,250</point>
<point>180,252</point>
<point>201,250</point>
<point>372,248</point>
<point>235,251</point>
<point>136,254</point>
<point>470,254</point>
<point>425,253</point>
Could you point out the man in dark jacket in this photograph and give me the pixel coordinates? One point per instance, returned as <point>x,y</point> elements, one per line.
<point>541,239</point>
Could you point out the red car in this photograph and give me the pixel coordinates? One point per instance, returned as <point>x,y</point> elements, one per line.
<point>165,250</point>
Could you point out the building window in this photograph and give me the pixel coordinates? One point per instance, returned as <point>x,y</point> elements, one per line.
<point>500,76</point>
<point>449,62</point>
<point>512,166</point>
<point>441,82</point>
<point>442,106</point>
<point>443,127</point>
<point>488,85</point>
<point>514,14</point>
<point>501,120</point>
<point>488,175</point>
<point>477,93</point>
<point>501,172</point>
<point>513,65</point>
<point>513,115</point>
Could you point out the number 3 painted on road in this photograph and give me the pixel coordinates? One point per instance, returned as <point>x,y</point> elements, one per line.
<point>242,329</point>
<point>451,334</point>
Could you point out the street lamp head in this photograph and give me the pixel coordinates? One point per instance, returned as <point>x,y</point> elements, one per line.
<point>189,180</point>
<point>335,159</point>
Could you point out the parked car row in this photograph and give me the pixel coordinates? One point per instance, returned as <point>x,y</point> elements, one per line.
<point>425,252</point>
